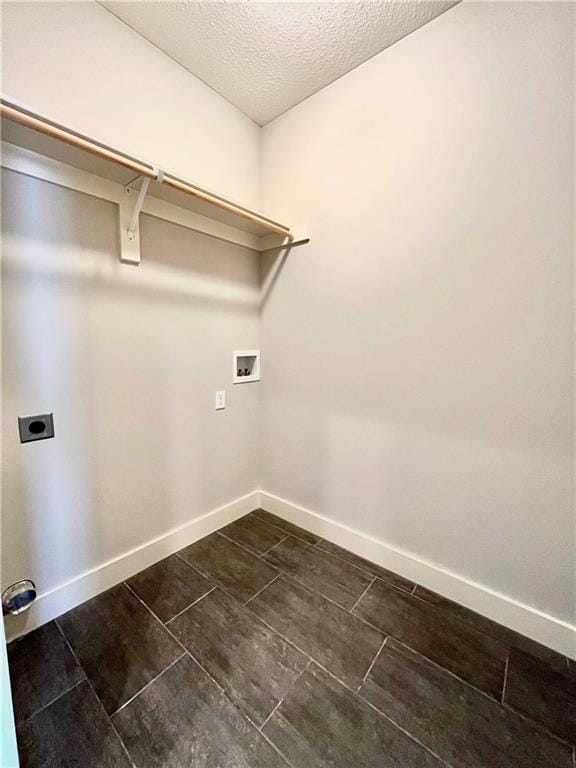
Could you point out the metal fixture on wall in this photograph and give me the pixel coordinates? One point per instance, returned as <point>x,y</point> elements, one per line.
<point>18,597</point>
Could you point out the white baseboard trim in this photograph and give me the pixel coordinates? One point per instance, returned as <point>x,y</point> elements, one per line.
<point>545,629</point>
<point>62,598</point>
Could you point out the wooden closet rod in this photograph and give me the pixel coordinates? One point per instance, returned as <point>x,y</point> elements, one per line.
<point>58,132</point>
<point>75,140</point>
<point>183,186</point>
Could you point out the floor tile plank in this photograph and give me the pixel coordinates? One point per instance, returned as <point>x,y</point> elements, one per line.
<point>169,586</point>
<point>183,720</point>
<point>332,577</point>
<point>41,668</point>
<point>543,693</point>
<point>73,732</point>
<point>294,530</point>
<point>254,534</point>
<point>460,724</point>
<point>238,572</point>
<point>324,725</point>
<point>119,644</point>
<point>251,662</point>
<point>454,645</point>
<point>492,628</point>
<point>334,638</point>
<point>366,565</point>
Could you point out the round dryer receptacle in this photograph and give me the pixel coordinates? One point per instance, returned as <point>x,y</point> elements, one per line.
<point>19,596</point>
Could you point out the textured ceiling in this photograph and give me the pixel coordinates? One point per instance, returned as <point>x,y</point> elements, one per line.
<point>265,57</point>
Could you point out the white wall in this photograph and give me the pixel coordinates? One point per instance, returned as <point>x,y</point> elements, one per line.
<point>128,359</point>
<point>79,65</point>
<point>419,353</point>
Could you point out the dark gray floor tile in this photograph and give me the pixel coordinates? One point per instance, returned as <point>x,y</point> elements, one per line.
<point>238,572</point>
<point>254,534</point>
<point>169,586</point>
<point>542,692</point>
<point>455,645</point>
<point>322,724</point>
<point>294,530</point>
<point>337,640</point>
<point>366,565</point>
<point>318,570</point>
<point>41,668</point>
<point>183,720</point>
<point>492,628</point>
<point>460,724</point>
<point>251,662</point>
<point>119,644</point>
<point>73,732</point>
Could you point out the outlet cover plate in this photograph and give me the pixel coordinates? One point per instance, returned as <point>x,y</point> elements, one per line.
<point>33,428</point>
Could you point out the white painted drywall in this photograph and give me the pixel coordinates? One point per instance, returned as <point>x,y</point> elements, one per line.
<point>419,352</point>
<point>77,64</point>
<point>128,359</point>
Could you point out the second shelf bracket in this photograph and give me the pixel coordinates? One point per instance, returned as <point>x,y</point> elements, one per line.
<point>130,218</point>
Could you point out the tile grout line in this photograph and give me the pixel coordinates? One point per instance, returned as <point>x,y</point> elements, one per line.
<point>263,588</point>
<point>379,712</point>
<point>106,715</point>
<point>151,612</point>
<point>446,670</point>
<point>240,710</point>
<point>148,684</point>
<point>437,610</point>
<point>186,651</point>
<point>343,560</point>
<point>289,689</point>
<point>305,653</point>
<point>277,750</point>
<point>273,546</point>
<point>259,555</point>
<point>365,570</point>
<point>218,585</point>
<point>190,564</point>
<point>356,696</point>
<point>284,530</point>
<point>528,720</point>
<point>194,602</point>
<point>289,575</point>
<point>535,724</point>
<point>324,552</point>
<point>54,700</point>
<point>362,595</point>
<point>238,544</point>
<point>332,556</point>
<point>378,652</point>
<point>505,678</point>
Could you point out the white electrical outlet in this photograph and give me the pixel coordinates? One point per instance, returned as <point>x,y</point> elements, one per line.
<point>220,402</point>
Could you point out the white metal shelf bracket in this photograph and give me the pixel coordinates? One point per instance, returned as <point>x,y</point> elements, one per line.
<point>130,219</point>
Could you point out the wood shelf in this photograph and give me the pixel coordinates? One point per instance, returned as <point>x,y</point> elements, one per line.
<point>35,133</point>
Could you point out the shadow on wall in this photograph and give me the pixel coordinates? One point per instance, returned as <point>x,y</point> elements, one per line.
<point>127,359</point>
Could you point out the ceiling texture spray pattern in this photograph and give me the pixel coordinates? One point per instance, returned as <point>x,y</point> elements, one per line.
<point>266,57</point>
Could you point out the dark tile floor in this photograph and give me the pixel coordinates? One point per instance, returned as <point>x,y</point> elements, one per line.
<point>262,646</point>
